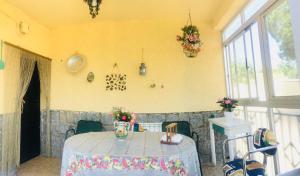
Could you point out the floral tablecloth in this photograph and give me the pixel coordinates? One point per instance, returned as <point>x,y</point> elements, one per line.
<point>100,153</point>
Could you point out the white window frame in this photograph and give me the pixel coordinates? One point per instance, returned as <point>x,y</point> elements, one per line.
<point>289,102</point>
<point>272,101</point>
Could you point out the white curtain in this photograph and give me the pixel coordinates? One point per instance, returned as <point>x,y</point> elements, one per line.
<point>17,76</point>
<point>44,66</point>
<point>11,80</point>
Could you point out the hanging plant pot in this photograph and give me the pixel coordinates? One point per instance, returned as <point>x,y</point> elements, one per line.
<point>191,50</point>
<point>190,39</point>
<point>189,53</point>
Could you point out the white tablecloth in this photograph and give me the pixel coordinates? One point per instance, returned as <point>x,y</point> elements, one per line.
<point>100,153</point>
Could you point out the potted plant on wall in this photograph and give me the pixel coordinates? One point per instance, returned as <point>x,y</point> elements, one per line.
<point>123,121</point>
<point>228,105</point>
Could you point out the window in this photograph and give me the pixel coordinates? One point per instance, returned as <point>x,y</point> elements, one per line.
<point>253,7</point>
<point>258,63</point>
<point>241,67</point>
<point>245,66</point>
<point>232,27</point>
<point>285,74</point>
<point>263,72</point>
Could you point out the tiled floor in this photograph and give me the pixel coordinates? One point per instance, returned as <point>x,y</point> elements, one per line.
<point>43,166</point>
<point>40,166</point>
<point>209,170</point>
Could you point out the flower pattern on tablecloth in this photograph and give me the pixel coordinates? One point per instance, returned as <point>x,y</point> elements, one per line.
<point>78,163</point>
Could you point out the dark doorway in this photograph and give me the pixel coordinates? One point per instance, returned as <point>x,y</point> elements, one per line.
<point>30,120</point>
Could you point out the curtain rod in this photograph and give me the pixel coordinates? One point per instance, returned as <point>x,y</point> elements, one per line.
<point>7,43</point>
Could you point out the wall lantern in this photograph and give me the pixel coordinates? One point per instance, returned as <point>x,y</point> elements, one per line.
<point>143,68</point>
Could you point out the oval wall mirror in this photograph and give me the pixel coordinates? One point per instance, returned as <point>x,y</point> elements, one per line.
<point>75,63</point>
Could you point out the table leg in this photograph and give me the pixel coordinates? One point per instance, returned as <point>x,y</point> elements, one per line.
<point>231,147</point>
<point>212,144</point>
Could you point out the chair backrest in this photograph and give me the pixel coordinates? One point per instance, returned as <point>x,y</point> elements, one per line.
<point>85,126</point>
<point>264,138</point>
<point>183,127</point>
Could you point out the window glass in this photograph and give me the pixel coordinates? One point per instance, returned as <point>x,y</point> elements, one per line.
<point>258,63</point>
<point>287,128</point>
<point>233,73</point>
<point>281,45</point>
<point>232,27</point>
<point>253,7</point>
<point>227,70</point>
<point>241,68</point>
<point>250,64</point>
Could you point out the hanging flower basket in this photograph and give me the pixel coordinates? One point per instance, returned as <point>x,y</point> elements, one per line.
<point>190,41</point>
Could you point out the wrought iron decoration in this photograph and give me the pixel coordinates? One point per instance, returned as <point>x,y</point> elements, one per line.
<point>94,6</point>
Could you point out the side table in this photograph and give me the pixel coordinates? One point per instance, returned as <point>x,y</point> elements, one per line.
<point>231,127</point>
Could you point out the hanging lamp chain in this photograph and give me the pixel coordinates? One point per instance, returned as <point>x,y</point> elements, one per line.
<point>142,54</point>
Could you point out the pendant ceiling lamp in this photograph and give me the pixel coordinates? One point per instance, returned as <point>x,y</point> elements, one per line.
<point>94,6</point>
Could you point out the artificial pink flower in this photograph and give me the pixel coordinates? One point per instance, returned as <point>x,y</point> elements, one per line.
<point>88,164</point>
<point>163,165</point>
<point>227,102</point>
<point>124,117</point>
<point>69,173</point>
<point>124,163</point>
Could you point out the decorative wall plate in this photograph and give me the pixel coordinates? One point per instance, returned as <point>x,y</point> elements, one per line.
<point>75,63</point>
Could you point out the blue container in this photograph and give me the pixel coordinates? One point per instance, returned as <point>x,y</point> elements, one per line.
<point>136,127</point>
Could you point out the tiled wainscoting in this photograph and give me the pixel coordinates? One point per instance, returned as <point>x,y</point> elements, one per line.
<point>1,119</point>
<point>62,120</point>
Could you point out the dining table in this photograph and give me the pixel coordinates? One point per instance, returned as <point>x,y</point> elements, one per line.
<point>140,154</point>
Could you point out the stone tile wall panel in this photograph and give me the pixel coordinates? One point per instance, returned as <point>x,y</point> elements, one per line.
<point>62,120</point>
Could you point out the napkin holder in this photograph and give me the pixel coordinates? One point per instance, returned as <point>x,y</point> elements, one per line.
<point>171,131</point>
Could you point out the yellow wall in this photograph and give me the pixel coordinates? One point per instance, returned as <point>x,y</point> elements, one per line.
<point>38,40</point>
<point>227,12</point>
<point>190,84</point>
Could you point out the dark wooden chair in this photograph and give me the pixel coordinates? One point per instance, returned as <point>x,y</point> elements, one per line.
<point>84,126</point>
<point>184,128</point>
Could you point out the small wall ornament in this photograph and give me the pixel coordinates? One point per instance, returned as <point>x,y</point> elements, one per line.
<point>190,39</point>
<point>116,81</point>
<point>90,77</point>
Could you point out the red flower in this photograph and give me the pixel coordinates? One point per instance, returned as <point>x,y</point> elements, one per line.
<point>124,117</point>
